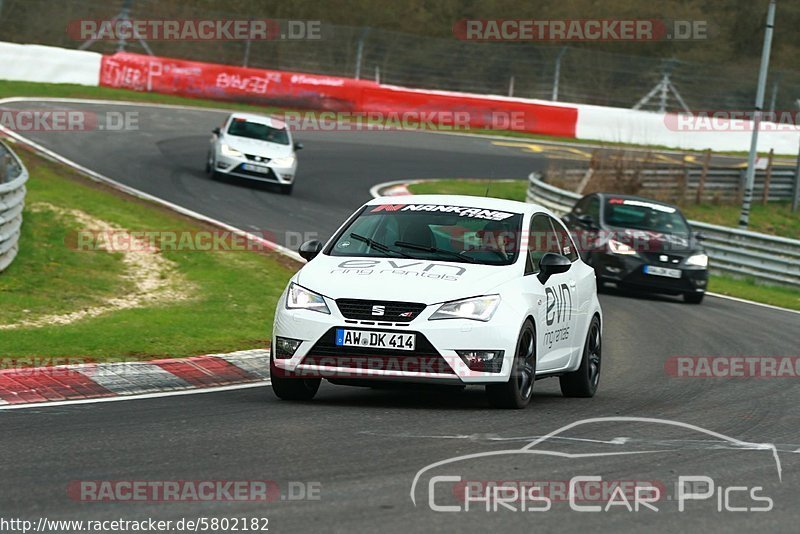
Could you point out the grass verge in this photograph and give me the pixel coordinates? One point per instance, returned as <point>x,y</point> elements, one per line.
<point>774,219</point>
<point>230,306</point>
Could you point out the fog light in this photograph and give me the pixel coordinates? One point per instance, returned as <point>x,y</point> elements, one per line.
<point>285,347</point>
<point>486,361</point>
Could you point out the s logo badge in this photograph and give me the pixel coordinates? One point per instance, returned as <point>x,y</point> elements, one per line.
<point>378,310</point>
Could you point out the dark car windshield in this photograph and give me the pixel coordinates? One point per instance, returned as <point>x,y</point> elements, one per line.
<point>256,130</point>
<point>643,215</point>
<point>432,232</point>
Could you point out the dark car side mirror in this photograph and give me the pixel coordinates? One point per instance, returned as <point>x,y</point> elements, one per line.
<point>216,131</point>
<point>298,146</point>
<point>587,221</point>
<point>551,264</point>
<point>310,249</point>
<point>700,236</point>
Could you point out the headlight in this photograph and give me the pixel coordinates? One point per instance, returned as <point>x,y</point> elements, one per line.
<point>283,162</point>
<point>698,260</point>
<point>300,298</point>
<point>620,248</point>
<point>477,309</point>
<point>228,151</point>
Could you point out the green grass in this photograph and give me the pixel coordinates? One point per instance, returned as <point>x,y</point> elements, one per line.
<point>231,307</point>
<point>776,219</point>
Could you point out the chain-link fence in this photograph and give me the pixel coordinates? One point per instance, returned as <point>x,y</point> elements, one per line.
<point>546,71</point>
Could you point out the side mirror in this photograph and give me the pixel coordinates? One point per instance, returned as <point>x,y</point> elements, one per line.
<point>216,131</point>
<point>310,249</point>
<point>551,264</point>
<point>298,146</point>
<point>587,221</point>
<point>700,236</point>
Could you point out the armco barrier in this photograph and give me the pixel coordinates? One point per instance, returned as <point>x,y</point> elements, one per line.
<point>731,251</point>
<point>13,176</point>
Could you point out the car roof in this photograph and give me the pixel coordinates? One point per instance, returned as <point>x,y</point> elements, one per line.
<point>259,119</point>
<point>636,197</point>
<point>487,203</point>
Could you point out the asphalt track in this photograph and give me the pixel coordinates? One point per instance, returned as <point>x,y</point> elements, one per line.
<point>364,447</point>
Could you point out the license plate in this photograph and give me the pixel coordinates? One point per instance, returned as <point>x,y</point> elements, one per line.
<point>256,168</point>
<point>662,271</point>
<point>375,340</point>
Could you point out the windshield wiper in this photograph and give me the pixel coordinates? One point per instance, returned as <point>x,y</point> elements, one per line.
<point>378,246</point>
<point>433,250</point>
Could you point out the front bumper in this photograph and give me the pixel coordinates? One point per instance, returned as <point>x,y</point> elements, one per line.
<point>434,359</point>
<point>234,166</point>
<point>628,272</point>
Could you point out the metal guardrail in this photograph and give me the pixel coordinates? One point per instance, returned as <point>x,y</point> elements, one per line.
<point>731,251</point>
<point>13,176</point>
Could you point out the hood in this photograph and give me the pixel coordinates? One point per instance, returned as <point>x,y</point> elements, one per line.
<point>400,279</point>
<point>655,242</point>
<point>256,147</point>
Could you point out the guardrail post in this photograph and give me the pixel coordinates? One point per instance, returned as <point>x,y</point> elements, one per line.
<point>767,178</point>
<point>701,185</point>
<point>796,190</point>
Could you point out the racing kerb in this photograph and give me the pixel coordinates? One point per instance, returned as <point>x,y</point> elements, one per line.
<point>731,251</point>
<point>13,176</point>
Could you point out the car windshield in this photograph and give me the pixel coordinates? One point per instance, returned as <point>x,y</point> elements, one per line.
<point>432,232</point>
<point>644,215</point>
<point>256,130</point>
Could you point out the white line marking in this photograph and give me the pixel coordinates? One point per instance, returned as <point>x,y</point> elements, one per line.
<point>217,389</point>
<point>754,303</point>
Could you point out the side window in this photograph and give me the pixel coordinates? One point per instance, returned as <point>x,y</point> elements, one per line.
<point>582,205</point>
<point>565,241</point>
<point>593,208</point>
<point>541,240</point>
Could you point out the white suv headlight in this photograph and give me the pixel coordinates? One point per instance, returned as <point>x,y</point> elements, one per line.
<point>476,309</point>
<point>698,260</point>
<point>228,151</point>
<point>288,161</point>
<point>300,298</point>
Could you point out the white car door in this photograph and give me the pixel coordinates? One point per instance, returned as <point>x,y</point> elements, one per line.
<point>557,313</point>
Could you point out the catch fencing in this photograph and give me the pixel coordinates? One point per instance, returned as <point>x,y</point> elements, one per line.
<point>731,251</point>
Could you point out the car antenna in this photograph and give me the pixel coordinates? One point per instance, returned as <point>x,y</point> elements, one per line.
<point>486,194</point>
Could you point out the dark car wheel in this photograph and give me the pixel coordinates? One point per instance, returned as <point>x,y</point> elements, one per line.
<point>584,381</point>
<point>210,167</point>
<point>289,388</point>
<point>693,298</point>
<point>517,392</point>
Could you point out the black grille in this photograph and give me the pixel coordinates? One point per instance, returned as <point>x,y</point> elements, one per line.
<point>252,157</point>
<point>424,357</point>
<point>363,310</point>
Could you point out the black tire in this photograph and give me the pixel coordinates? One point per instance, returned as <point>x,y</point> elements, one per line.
<point>693,298</point>
<point>286,189</point>
<point>211,172</point>
<point>517,392</point>
<point>584,381</point>
<point>290,388</point>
